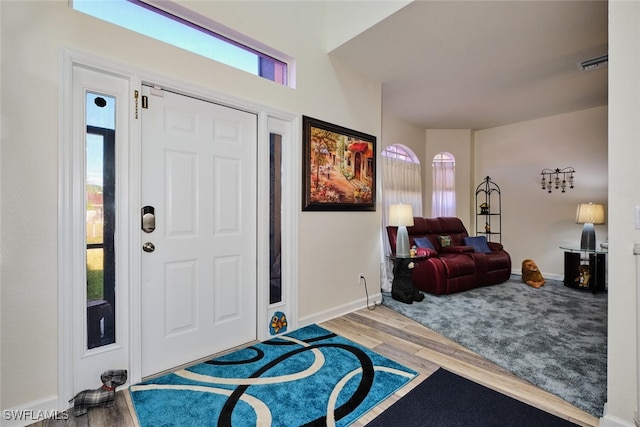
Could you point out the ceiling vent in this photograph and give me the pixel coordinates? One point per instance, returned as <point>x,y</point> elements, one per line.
<point>594,63</point>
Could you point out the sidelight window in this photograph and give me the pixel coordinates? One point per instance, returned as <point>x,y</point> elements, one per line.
<point>100,220</point>
<point>275,218</point>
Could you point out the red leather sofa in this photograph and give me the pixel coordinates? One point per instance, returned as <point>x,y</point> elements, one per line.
<point>457,267</point>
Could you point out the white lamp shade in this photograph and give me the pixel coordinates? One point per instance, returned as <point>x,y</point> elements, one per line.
<point>589,213</point>
<point>400,215</point>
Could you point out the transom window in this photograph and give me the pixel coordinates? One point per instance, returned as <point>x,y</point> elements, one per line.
<point>149,20</point>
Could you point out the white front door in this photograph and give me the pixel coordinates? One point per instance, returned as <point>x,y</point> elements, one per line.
<point>199,162</point>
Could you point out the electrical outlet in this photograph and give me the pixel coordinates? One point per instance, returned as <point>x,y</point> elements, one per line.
<point>360,278</point>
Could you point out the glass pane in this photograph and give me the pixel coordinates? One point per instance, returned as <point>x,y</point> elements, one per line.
<point>95,274</point>
<point>100,219</point>
<point>275,222</point>
<point>150,21</point>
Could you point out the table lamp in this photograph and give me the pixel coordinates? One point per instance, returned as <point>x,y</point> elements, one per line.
<point>401,216</point>
<point>589,214</point>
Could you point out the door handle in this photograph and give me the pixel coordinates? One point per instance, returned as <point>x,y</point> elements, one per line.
<point>148,219</point>
<point>148,247</point>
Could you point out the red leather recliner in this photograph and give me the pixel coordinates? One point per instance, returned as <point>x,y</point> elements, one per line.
<point>457,267</point>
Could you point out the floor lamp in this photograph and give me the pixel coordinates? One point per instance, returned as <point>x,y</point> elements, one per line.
<point>401,216</point>
<point>589,214</point>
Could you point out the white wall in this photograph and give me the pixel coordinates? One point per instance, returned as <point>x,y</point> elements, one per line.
<point>534,222</point>
<point>624,194</point>
<point>333,248</point>
<point>347,19</point>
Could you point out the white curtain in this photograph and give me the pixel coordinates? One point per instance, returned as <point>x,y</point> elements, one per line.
<point>401,183</point>
<point>443,200</point>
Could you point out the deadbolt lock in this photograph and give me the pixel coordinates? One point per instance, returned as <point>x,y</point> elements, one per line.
<point>148,219</point>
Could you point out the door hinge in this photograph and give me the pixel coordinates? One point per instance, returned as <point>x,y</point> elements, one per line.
<point>156,91</point>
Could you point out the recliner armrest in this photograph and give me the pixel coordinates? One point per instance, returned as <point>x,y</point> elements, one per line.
<point>495,246</point>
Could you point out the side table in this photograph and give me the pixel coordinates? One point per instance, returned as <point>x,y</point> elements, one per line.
<point>585,269</point>
<point>402,288</point>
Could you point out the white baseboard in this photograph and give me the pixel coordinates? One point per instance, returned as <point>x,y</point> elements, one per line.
<point>32,412</point>
<point>332,313</point>
<point>609,420</point>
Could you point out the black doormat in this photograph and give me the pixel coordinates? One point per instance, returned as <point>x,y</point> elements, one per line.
<point>448,400</point>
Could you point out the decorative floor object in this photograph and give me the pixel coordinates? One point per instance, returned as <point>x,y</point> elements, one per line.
<point>445,399</point>
<point>310,377</point>
<point>555,336</point>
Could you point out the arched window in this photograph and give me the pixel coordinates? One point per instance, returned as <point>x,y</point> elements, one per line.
<point>401,183</point>
<point>400,152</point>
<point>443,199</point>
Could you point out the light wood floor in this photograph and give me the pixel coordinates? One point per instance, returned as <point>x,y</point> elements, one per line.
<point>401,339</point>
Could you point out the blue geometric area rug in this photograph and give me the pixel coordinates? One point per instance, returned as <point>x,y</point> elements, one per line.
<point>308,377</point>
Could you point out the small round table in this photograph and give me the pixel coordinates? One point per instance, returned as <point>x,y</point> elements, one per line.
<point>402,288</point>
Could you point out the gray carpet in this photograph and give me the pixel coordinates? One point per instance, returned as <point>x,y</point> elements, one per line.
<point>555,337</point>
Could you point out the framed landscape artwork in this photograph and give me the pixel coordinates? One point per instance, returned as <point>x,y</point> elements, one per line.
<point>339,168</point>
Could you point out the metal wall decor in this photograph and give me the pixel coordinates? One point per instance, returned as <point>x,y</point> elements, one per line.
<point>557,178</point>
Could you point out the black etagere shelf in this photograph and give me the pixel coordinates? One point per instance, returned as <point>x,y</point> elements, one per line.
<point>489,210</point>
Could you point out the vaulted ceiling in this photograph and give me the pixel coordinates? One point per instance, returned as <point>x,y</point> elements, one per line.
<point>481,64</point>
